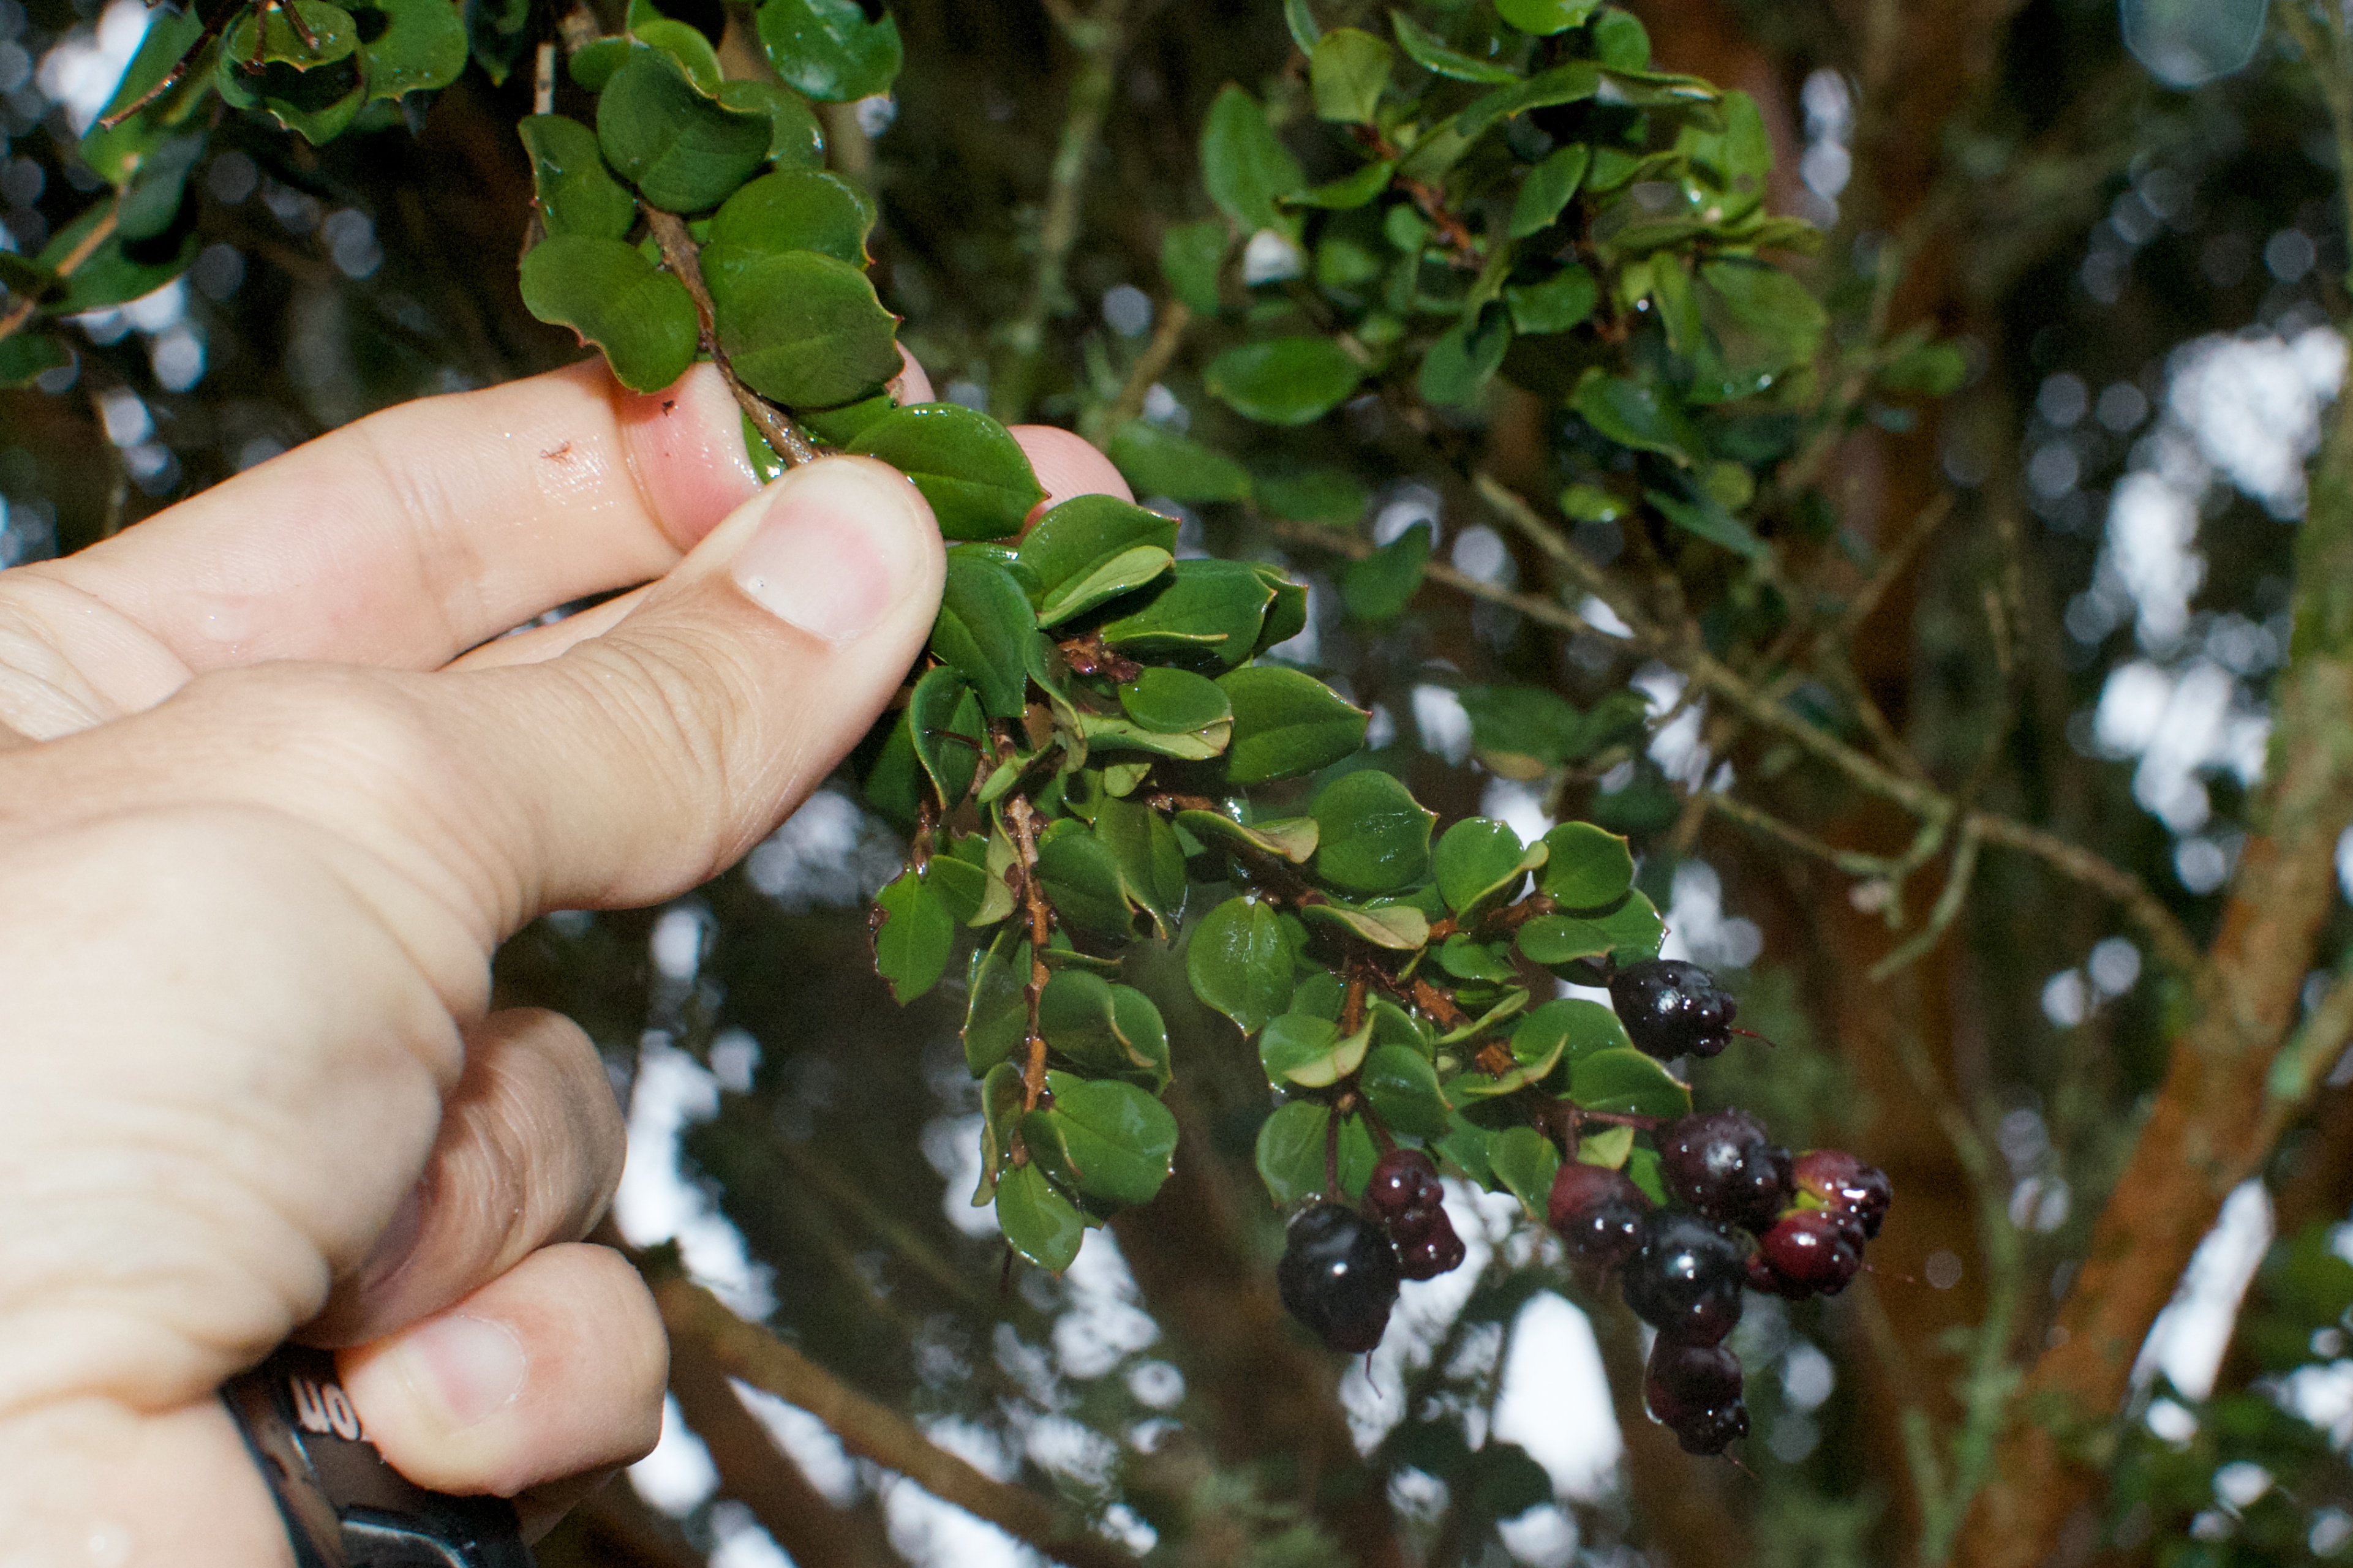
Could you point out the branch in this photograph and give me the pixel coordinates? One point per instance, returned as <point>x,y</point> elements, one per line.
<point>872,1430</point>
<point>1098,38</point>
<point>1176,316</point>
<point>681,256</point>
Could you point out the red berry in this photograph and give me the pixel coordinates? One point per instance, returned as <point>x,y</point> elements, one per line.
<point>1844,1182</point>
<point>1723,1164</point>
<point>1399,1183</point>
<point>1811,1251</point>
<point>1598,1213</point>
<point>1438,1251</point>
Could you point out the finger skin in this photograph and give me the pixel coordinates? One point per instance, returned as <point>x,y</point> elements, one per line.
<point>554,1369</point>
<point>409,537</point>
<point>528,1154</point>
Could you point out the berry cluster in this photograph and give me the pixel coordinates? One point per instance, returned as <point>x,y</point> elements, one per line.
<point>1340,1267</point>
<point>1682,1269</point>
<point>1682,1266</point>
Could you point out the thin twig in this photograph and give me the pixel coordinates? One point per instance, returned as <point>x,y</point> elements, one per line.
<point>543,79</point>
<point>84,249</point>
<point>1167,333</point>
<point>681,256</point>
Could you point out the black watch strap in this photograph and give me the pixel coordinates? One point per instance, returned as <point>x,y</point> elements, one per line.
<point>343,1505</point>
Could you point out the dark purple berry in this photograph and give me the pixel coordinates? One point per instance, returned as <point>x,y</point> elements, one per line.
<point>1338,1276</point>
<point>1723,1164</point>
<point>1812,1252</point>
<point>1685,1278</point>
<point>1845,1183</point>
<point>1405,1194</point>
<point>1435,1252</point>
<point>1671,1009</point>
<point>1598,1213</point>
<point>1684,1380</point>
<point>1714,1430</point>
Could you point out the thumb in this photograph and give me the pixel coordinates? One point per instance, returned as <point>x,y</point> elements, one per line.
<point>647,758</point>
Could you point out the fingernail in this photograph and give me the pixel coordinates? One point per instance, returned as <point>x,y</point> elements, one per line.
<point>471,1368</point>
<point>835,549</point>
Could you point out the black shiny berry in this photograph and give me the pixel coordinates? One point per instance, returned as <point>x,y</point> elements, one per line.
<point>1338,1276</point>
<point>1713,1430</point>
<point>1598,1213</point>
<point>1847,1184</point>
<point>1723,1164</point>
<point>1684,1279</point>
<point>1671,1009</point>
<point>1684,1380</point>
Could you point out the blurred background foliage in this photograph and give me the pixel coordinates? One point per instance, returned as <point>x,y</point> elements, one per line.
<point>2141,268</point>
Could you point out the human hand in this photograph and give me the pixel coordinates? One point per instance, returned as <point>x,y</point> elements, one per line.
<point>269,802</point>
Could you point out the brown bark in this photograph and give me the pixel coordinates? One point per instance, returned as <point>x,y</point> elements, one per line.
<point>612,1528</point>
<point>1270,1396</point>
<point>813,1533</point>
<point>2216,1117</point>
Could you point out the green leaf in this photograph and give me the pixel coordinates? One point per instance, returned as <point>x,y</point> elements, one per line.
<point>1108,734</point>
<point>846,422</point>
<point>1585,868</point>
<point>421,48</point>
<point>796,209</point>
<point>950,739</point>
<point>1238,963</point>
<point>1457,367</point>
<point>152,202</point>
<point>799,328</point>
<point>591,65</point>
<point>1525,1162</point>
<point>1286,614</point>
<point>1403,1088</point>
<point>983,630</point>
<point>1283,381</point>
<point>170,36</point>
<point>1290,1154</point>
<point>1286,723</point>
<point>1430,54</point>
<point>1627,1083</point>
<point>1634,413</point>
<point>1571,83</point>
<point>1082,881</point>
<point>1401,928</point>
<point>1039,1222</point>
<point>315,92</point>
<point>1299,1049</point>
<point>1346,73</point>
<point>684,152</point>
<point>1558,304</point>
<point>613,297</point>
<point>1301,23</point>
<point>997,1015</point>
<point>1093,548</point>
<point>1379,586</point>
<point>1931,370</point>
<point>1609,1148</point>
<point>912,937</point>
<point>1634,927</point>
<point>1209,609</point>
<point>1313,495</point>
<point>1160,462</point>
<point>1346,193</point>
<point>1104,1137</point>
<point>1245,169</point>
<point>796,140</point>
<point>1569,1027</point>
<point>1479,858</point>
<point>827,50</point>
<point>577,194</point>
<point>1000,1115</point>
<point>1703,515</point>
<point>1546,189</point>
<point>335,35</point>
<point>968,466</point>
<point>1151,863</point>
<point>685,44</point>
<point>1619,41</point>
<point>1545,17</point>
<point>964,888</point>
<point>1110,1031</point>
<point>1468,959</point>
<point>1291,838</point>
<point>1174,701</point>
<point>27,356</point>
<point>1374,835</point>
<point>1191,253</point>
